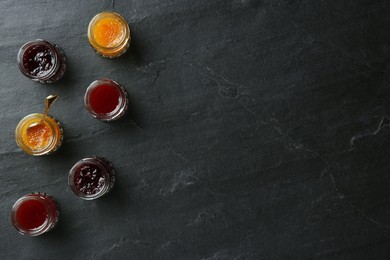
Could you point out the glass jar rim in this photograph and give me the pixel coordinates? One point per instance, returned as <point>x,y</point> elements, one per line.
<point>50,121</point>
<point>100,16</point>
<point>95,161</point>
<point>45,226</point>
<point>52,71</point>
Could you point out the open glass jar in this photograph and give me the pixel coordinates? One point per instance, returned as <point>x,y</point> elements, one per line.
<point>91,177</point>
<point>109,34</point>
<point>39,137</point>
<point>34,214</point>
<point>106,100</point>
<point>41,61</point>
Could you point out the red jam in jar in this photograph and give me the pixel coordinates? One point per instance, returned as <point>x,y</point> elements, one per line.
<point>42,61</point>
<point>91,177</point>
<point>106,100</point>
<point>34,214</point>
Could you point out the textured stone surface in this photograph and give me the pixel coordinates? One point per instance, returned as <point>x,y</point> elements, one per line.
<point>258,129</point>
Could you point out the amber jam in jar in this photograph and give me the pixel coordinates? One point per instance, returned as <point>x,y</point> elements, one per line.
<point>106,100</point>
<point>109,34</point>
<point>34,214</point>
<point>38,137</point>
<point>91,177</point>
<point>42,61</point>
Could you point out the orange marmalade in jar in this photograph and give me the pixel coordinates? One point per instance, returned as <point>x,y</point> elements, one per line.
<point>37,136</point>
<point>109,34</point>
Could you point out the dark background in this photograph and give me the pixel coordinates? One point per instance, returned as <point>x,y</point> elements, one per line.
<point>257,129</point>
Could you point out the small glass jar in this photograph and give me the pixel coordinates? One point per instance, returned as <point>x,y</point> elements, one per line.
<point>39,137</point>
<point>109,34</point>
<point>106,100</point>
<point>34,214</point>
<point>91,177</point>
<point>42,61</point>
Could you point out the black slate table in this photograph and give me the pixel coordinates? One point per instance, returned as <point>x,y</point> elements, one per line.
<point>257,130</point>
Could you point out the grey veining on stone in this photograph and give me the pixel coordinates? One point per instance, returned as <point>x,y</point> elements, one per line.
<point>257,129</point>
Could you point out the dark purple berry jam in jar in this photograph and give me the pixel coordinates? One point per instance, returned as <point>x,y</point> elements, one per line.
<point>42,61</point>
<point>91,177</point>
